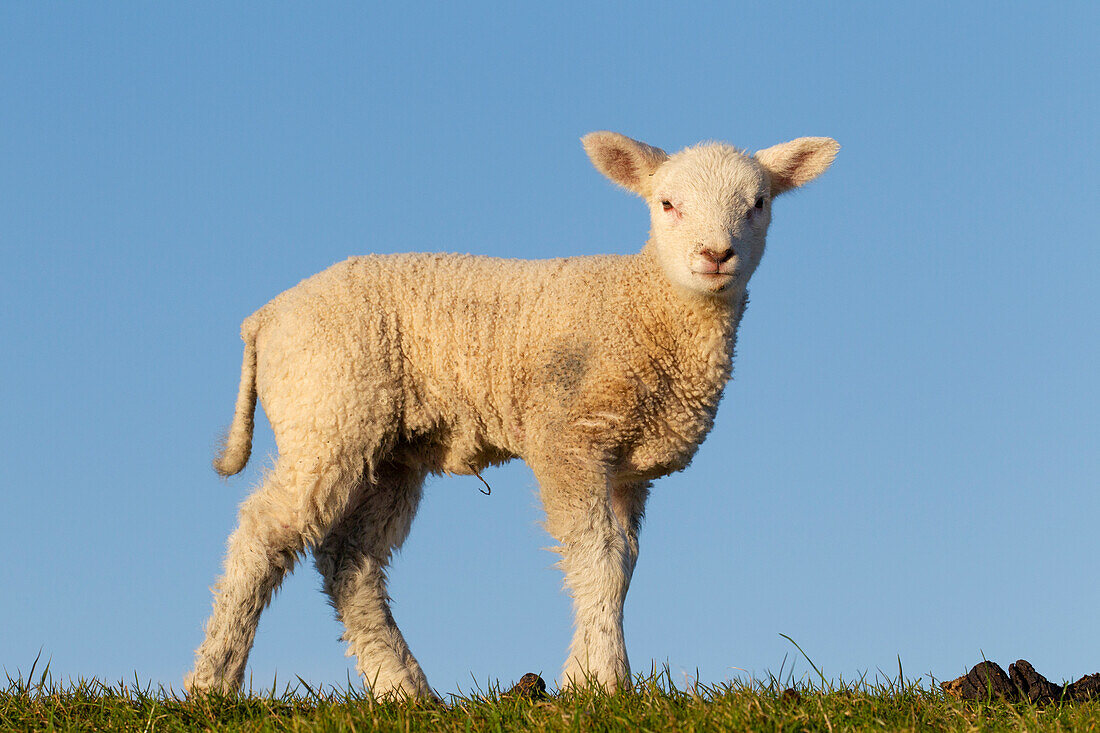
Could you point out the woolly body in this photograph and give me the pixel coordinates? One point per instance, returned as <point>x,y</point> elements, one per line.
<point>394,347</point>
<point>602,373</point>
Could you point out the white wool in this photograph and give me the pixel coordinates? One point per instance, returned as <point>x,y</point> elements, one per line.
<point>602,373</point>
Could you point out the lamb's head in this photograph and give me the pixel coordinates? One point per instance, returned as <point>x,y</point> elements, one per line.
<point>710,204</point>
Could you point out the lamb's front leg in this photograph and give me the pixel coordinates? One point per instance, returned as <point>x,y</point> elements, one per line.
<point>628,502</point>
<point>597,560</point>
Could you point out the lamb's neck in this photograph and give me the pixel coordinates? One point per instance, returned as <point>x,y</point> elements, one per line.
<point>708,322</point>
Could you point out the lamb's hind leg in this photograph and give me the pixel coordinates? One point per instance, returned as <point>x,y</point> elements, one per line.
<point>295,506</point>
<point>353,558</point>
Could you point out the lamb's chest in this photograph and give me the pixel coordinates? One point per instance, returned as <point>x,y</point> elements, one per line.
<point>672,422</point>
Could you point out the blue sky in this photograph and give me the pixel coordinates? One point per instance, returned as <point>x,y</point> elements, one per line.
<point>905,464</point>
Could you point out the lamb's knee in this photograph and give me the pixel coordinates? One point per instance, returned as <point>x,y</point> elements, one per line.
<point>585,526</point>
<point>299,505</point>
<point>347,571</point>
<point>266,538</point>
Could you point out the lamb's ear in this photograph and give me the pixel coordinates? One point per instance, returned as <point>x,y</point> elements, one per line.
<point>627,162</point>
<point>792,164</point>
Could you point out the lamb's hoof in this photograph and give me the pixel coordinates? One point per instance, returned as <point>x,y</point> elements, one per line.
<point>1033,686</point>
<point>406,693</point>
<point>1086,688</point>
<point>197,686</point>
<point>529,687</point>
<point>986,680</point>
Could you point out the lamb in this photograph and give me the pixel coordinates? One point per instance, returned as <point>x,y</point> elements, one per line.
<point>602,373</point>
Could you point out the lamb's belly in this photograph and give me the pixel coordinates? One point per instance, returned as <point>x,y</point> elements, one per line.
<point>471,451</point>
<point>454,437</point>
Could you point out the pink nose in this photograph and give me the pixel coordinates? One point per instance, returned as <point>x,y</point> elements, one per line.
<point>717,257</point>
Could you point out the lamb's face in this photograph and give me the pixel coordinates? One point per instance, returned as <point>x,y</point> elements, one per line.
<point>710,207</point>
<point>710,204</point>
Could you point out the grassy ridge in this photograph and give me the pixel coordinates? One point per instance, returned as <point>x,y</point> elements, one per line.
<point>654,704</point>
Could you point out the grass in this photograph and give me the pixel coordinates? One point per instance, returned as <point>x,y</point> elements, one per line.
<point>653,704</point>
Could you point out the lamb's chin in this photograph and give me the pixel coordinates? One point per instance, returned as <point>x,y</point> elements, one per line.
<point>710,284</point>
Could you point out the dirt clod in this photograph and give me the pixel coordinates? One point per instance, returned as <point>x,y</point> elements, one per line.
<point>529,687</point>
<point>985,680</point>
<point>1032,685</point>
<point>1086,688</point>
<point>988,680</point>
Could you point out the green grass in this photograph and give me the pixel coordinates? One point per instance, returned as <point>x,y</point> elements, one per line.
<point>654,704</point>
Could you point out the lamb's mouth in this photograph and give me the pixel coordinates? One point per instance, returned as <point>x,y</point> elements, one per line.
<point>717,282</point>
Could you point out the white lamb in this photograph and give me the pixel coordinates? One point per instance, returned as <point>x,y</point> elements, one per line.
<point>602,373</point>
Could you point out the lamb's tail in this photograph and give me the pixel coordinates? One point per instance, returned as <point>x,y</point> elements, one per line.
<point>238,442</point>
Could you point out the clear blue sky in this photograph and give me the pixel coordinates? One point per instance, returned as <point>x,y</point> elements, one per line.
<point>906,462</point>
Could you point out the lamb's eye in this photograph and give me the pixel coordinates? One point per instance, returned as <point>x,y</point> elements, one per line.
<point>666,205</point>
<point>759,202</point>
